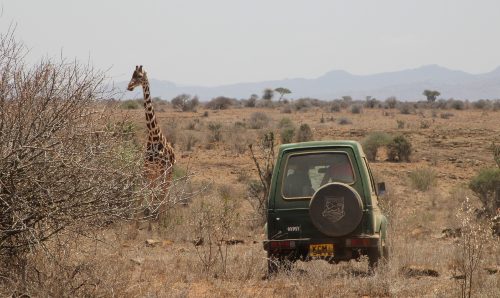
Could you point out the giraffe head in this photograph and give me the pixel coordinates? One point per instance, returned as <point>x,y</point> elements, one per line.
<point>138,77</point>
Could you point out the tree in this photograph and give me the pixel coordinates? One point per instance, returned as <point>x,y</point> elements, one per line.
<point>431,95</point>
<point>65,164</point>
<point>282,91</point>
<point>268,94</point>
<point>185,103</point>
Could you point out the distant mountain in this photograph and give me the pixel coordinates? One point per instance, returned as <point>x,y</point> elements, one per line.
<point>405,85</point>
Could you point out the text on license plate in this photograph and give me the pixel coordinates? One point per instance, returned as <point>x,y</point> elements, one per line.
<point>321,250</point>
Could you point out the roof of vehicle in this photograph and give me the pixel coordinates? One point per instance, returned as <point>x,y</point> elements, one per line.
<point>321,144</point>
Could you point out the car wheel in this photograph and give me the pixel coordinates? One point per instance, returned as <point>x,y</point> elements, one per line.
<point>378,254</point>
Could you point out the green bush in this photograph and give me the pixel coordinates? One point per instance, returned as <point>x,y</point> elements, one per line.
<point>484,185</point>
<point>399,149</point>
<point>374,141</point>
<point>423,179</point>
<point>304,133</point>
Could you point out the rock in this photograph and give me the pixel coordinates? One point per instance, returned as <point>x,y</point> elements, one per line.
<point>198,241</point>
<point>234,241</point>
<point>419,231</point>
<point>415,271</point>
<point>451,233</point>
<point>137,261</point>
<point>492,270</point>
<point>166,243</point>
<point>152,242</point>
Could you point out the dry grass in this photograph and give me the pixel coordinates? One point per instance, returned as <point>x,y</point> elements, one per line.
<point>120,264</point>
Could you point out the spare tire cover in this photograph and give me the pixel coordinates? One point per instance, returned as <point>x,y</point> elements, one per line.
<point>336,209</point>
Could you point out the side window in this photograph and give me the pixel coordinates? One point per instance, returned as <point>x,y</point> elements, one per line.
<point>372,182</point>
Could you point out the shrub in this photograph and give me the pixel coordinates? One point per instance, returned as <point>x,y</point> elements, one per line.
<point>391,102</point>
<point>405,109</point>
<point>399,149</point>
<point>215,132</point>
<point>344,121</point>
<point>482,104</point>
<point>285,122</point>
<point>263,103</point>
<point>170,132</point>
<point>258,120</point>
<point>287,134</point>
<point>304,133</point>
<point>423,179</point>
<point>496,105</point>
<point>130,104</point>
<point>373,142</point>
<point>496,153</point>
<point>63,167</point>
<point>425,124</point>
<point>189,141</point>
<point>371,103</point>
<point>302,104</point>
<point>356,109</point>
<point>401,124</point>
<point>220,103</point>
<point>484,185</point>
<point>286,109</point>
<point>446,115</point>
<point>185,103</point>
<point>335,107</point>
<point>252,101</point>
<point>238,139</point>
<point>457,104</point>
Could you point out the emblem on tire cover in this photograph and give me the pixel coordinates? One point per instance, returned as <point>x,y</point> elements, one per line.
<point>334,209</point>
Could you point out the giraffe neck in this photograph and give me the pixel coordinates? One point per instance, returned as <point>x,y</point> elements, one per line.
<point>154,132</point>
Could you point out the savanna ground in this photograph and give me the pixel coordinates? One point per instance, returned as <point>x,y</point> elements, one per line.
<point>161,259</point>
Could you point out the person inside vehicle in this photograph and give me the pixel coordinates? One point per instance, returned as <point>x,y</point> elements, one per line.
<point>339,171</point>
<point>298,184</point>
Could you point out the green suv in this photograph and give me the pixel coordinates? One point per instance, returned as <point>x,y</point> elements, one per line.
<point>323,204</point>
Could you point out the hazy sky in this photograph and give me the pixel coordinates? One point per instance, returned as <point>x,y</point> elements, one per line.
<point>211,42</point>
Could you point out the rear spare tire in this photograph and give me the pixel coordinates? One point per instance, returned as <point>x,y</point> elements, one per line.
<point>336,209</point>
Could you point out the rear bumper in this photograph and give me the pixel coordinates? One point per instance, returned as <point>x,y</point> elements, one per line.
<point>302,244</point>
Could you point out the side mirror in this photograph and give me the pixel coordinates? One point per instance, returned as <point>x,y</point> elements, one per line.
<point>381,188</point>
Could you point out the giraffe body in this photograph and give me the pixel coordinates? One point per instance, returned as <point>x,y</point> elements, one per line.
<point>160,157</point>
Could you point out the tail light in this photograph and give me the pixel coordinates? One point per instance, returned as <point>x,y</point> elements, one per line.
<point>282,244</point>
<point>358,242</point>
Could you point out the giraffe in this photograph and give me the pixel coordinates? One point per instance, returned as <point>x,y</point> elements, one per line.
<point>159,157</point>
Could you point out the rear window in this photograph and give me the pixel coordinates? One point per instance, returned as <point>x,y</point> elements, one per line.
<point>306,173</point>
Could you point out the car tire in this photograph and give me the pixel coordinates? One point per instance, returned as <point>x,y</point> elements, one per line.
<point>378,254</point>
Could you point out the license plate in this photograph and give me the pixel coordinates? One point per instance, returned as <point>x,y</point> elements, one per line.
<point>321,250</point>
